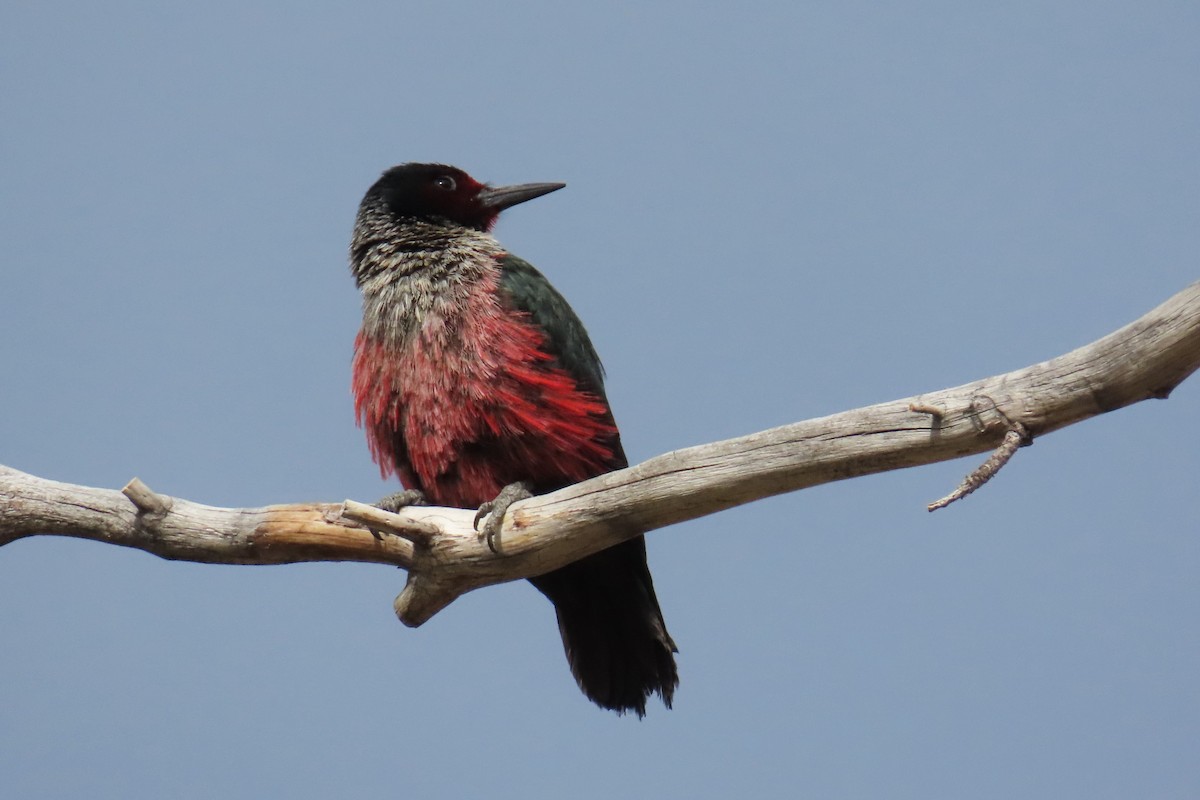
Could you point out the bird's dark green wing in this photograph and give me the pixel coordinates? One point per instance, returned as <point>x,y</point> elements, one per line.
<point>566,338</point>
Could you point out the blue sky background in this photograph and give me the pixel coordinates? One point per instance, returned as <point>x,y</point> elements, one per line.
<point>774,211</point>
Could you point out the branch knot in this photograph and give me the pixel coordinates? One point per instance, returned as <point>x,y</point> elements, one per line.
<point>151,506</point>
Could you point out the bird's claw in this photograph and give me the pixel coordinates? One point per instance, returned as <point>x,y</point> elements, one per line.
<point>398,500</point>
<point>495,510</point>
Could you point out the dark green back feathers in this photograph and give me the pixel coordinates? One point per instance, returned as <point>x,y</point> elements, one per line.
<point>567,339</point>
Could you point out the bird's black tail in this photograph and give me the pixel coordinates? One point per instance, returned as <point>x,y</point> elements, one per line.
<point>612,628</point>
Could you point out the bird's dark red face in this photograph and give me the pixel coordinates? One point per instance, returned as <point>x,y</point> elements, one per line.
<point>438,191</point>
<point>430,191</point>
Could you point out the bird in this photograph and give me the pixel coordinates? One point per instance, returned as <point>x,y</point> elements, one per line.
<point>477,385</point>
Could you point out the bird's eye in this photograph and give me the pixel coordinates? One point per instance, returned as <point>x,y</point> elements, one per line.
<point>445,182</point>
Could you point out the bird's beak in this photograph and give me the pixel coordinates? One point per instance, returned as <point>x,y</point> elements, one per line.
<point>501,197</point>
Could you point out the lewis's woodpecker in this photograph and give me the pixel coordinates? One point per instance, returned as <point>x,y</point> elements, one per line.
<point>473,375</point>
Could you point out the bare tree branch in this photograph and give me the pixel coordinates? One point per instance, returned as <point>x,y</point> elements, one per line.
<point>445,557</point>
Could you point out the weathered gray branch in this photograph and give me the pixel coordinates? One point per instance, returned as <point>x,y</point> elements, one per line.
<point>445,558</point>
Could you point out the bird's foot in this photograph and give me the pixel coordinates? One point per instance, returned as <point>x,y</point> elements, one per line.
<point>398,500</point>
<point>495,510</point>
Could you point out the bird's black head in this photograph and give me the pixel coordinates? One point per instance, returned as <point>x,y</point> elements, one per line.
<point>439,192</point>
